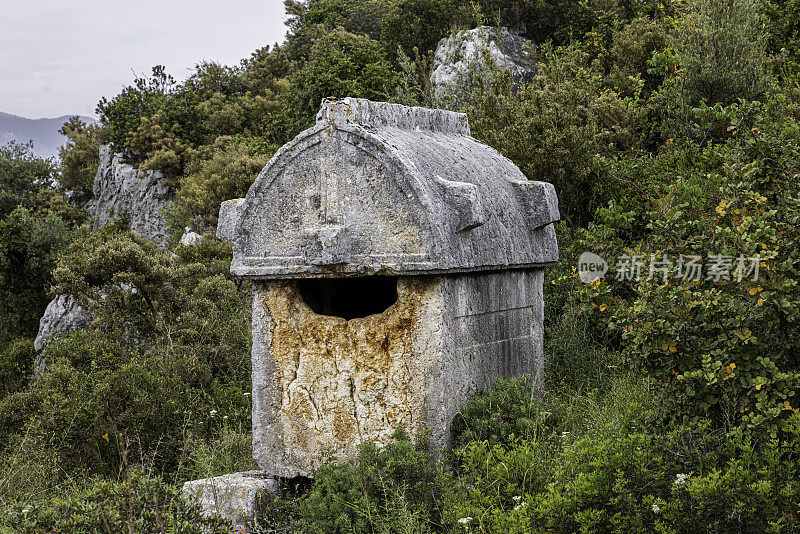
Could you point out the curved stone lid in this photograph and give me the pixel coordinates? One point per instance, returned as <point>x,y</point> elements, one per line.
<point>376,188</point>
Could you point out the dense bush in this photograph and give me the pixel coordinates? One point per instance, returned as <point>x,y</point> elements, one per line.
<point>723,345</point>
<point>138,504</point>
<point>558,128</point>
<point>166,362</point>
<point>225,170</point>
<point>80,157</point>
<point>344,64</point>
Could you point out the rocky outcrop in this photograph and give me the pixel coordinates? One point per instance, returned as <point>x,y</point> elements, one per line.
<point>119,190</point>
<point>62,316</point>
<point>122,190</point>
<point>473,51</point>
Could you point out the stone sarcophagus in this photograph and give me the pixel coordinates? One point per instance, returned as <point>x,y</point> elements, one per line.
<point>397,268</point>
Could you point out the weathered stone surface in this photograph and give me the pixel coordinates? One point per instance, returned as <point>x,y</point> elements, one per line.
<point>233,496</point>
<point>457,54</point>
<point>190,237</point>
<point>120,189</point>
<point>322,382</point>
<point>379,188</point>
<point>62,316</point>
<point>397,268</point>
<point>229,214</point>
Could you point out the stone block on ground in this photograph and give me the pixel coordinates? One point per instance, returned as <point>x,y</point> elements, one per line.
<point>233,496</point>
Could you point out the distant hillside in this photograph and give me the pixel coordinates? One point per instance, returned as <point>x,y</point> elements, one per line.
<point>43,132</point>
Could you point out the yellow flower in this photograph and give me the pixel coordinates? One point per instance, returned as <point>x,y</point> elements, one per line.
<point>733,365</point>
<point>753,291</point>
<point>603,307</point>
<point>758,387</point>
<point>760,302</point>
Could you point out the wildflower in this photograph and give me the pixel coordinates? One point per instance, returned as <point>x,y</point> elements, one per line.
<point>465,520</point>
<point>246,394</point>
<point>680,479</point>
<point>760,302</point>
<point>212,413</point>
<point>520,505</point>
<point>656,509</point>
<point>516,498</point>
<point>225,417</point>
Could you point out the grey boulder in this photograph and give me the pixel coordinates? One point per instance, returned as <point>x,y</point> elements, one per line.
<point>471,52</point>
<point>121,189</point>
<point>62,316</point>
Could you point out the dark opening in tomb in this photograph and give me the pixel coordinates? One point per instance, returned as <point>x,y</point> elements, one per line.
<point>349,298</point>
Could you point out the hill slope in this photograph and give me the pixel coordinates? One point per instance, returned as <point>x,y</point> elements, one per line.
<point>43,132</point>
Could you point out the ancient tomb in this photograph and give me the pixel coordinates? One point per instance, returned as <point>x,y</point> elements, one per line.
<point>397,267</point>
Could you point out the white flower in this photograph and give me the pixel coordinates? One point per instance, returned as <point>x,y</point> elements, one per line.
<point>213,413</point>
<point>516,498</point>
<point>680,479</point>
<point>246,394</point>
<point>520,505</point>
<point>26,509</point>
<point>465,520</point>
<point>656,509</point>
<point>225,417</point>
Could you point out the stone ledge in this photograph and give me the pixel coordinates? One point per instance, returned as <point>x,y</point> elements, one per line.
<point>366,113</point>
<point>233,496</point>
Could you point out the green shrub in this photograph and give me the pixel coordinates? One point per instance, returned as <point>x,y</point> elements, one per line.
<point>166,360</point>
<point>500,413</point>
<point>80,157</point>
<point>16,366</point>
<point>343,64</point>
<point>219,172</point>
<point>29,247</point>
<point>718,57</point>
<point>138,504</point>
<point>720,347</point>
<point>398,488</point>
<point>122,115</point>
<point>21,175</point>
<point>557,128</point>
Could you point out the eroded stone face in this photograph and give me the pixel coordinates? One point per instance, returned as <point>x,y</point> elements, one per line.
<point>322,382</point>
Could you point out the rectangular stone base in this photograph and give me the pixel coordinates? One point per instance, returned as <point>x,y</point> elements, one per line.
<point>231,496</point>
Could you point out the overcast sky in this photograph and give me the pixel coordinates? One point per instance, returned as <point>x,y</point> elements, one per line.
<point>59,57</point>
